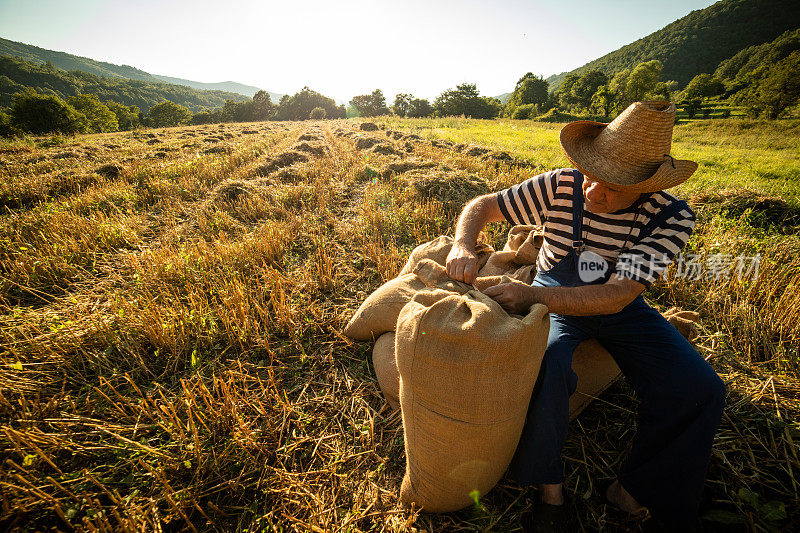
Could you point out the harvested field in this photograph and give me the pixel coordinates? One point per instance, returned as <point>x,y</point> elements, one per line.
<point>170,330</point>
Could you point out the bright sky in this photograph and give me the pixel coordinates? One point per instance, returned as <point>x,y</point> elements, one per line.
<point>346,47</point>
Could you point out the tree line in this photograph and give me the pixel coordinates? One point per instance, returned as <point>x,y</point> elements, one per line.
<point>592,93</point>
<point>36,113</point>
<point>463,100</point>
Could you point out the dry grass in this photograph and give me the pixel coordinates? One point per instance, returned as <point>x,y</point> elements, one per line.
<point>171,347</point>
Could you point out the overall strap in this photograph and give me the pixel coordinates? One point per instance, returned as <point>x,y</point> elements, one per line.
<point>665,214</point>
<point>577,210</point>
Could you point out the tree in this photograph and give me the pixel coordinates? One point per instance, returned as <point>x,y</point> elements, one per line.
<point>206,117</point>
<point>169,114</point>
<point>370,105</point>
<point>703,86</point>
<point>6,128</point>
<point>618,86</point>
<point>583,89</point>
<point>780,88</point>
<point>692,106</point>
<point>39,113</point>
<point>402,104</point>
<point>603,100</point>
<point>300,105</point>
<point>263,108</point>
<point>629,86</point>
<point>530,89</point>
<point>98,118</point>
<point>465,100</point>
<point>419,108</point>
<point>563,95</point>
<point>524,112</point>
<point>643,79</point>
<point>233,111</point>
<point>127,116</point>
<point>663,89</point>
<point>318,113</point>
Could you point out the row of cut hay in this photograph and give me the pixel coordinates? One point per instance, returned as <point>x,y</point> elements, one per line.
<point>54,244</point>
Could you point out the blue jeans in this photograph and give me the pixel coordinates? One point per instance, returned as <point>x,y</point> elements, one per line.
<point>681,406</point>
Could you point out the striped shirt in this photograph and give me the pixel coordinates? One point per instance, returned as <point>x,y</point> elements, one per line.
<point>546,200</point>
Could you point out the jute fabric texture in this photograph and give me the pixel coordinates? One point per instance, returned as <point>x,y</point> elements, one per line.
<point>467,369</point>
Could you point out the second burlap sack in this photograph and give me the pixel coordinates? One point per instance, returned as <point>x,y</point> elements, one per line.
<point>596,371</point>
<point>467,369</point>
<point>385,365</point>
<point>595,367</point>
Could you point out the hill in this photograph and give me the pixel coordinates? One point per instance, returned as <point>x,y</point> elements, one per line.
<point>741,66</point>
<point>698,42</point>
<point>228,86</point>
<point>18,74</point>
<point>67,61</point>
<point>503,97</point>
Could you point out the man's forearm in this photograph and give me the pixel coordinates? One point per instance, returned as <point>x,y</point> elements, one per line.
<point>473,219</point>
<point>586,300</point>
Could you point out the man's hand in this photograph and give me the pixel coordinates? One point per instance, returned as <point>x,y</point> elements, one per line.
<point>515,297</point>
<point>462,264</point>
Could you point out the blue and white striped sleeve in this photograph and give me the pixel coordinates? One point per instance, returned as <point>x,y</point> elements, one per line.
<point>528,202</point>
<point>651,256</point>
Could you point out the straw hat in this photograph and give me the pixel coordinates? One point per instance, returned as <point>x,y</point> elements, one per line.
<point>632,152</point>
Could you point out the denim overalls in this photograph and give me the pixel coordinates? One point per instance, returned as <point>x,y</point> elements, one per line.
<point>681,396</point>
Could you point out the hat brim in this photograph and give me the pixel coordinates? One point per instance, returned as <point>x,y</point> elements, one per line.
<point>576,140</point>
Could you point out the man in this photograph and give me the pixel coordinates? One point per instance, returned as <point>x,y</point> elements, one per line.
<point>610,231</point>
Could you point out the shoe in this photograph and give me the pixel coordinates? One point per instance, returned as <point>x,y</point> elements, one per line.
<point>546,518</point>
<point>641,512</point>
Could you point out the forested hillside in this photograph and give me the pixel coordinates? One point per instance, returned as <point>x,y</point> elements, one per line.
<point>698,42</point>
<point>739,69</point>
<point>17,74</point>
<point>67,61</point>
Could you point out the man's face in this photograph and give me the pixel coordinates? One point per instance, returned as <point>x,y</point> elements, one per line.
<point>600,198</point>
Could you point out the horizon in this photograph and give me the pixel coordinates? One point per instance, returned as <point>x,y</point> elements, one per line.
<point>344,50</point>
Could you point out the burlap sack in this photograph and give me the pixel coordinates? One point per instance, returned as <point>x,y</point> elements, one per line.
<point>499,263</point>
<point>525,274</point>
<point>528,251</point>
<point>508,261</point>
<point>438,249</point>
<point>386,369</point>
<point>378,313</point>
<point>467,370</point>
<point>435,275</point>
<point>684,321</point>
<point>596,371</point>
<point>594,366</point>
<point>517,235</point>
